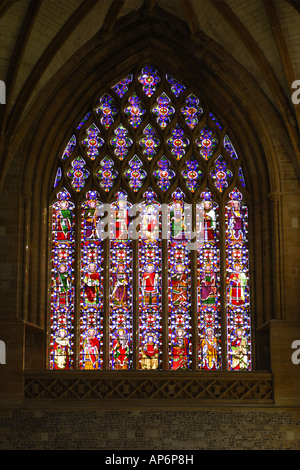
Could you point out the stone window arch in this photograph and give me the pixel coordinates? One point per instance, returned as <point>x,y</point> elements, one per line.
<point>150,265</point>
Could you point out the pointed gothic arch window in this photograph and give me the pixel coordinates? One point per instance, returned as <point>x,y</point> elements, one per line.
<point>149,246</point>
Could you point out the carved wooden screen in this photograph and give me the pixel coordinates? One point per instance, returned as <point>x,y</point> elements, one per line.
<point>149,250</point>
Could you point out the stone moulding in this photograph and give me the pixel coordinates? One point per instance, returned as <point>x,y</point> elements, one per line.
<point>87,385</point>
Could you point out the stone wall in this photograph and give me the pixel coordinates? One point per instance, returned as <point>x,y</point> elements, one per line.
<point>154,429</point>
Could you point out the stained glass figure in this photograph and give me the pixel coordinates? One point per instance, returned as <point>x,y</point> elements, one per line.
<point>229,147</point>
<point>208,255</point>
<point>163,174</point>
<point>121,87</point>
<point>149,143</point>
<point>176,87</point>
<point>121,143</point>
<point>150,282</point>
<point>134,111</point>
<point>238,293</point>
<point>206,143</point>
<point>149,79</point>
<point>163,110</point>
<point>106,174</point>
<point>179,283</point>
<point>178,142</point>
<point>192,174</point>
<point>120,285</point>
<point>221,174</point>
<point>106,110</point>
<point>192,111</point>
<point>92,142</point>
<point>69,148</point>
<point>78,174</point>
<point>62,288</point>
<point>91,320</point>
<point>135,175</point>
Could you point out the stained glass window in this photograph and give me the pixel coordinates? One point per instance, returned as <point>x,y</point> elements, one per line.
<point>150,263</point>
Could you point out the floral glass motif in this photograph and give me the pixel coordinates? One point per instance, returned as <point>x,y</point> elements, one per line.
<point>149,143</point>
<point>106,174</point>
<point>229,147</point>
<point>134,111</point>
<point>149,78</point>
<point>92,142</point>
<point>78,174</point>
<point>163,174</point>
<point>121,297</point>
<point>208,274</point>
<point>69,148</point>
<point>206,142</point>
<point>163,110</point>
<point>135,174</point>
<point>91,319</point>
<point>106,110</point>
<point>192,111</point>
<point>121,87</point>
<point>62,286</point>
<point>238,294</point>
<point>178,142</point>
<point>180,348</point>
<point>121,143</point>
<point>192,174</point>
<point>150,260</point>
<point>176,87</point>
<point>221,174</point>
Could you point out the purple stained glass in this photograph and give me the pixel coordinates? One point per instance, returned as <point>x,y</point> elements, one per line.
<point>58,177</point>
<point>192,111</point>
<point>149,79</point>
<point>106,174</point>
<point>92,142</point>
<point>134,111</point>
<point>62,286</point>
<point>106,111</point>
<point>121,143</point>
<point>163,174</point>
<point>192,174</point>
<point>78,174</point>
<point>180,347</point>
<point>91,321</point>
<point>229,148</point>
<point>221,174</point>
<point>135,175</point>
<point>178,142</point>
<point>149,143</point>
<point>238,286</point>
<point>150,350</point>
<point>206,142</point>
<point>241,176</point>
<point>208,256</point>
<point>176,87</point>
<point>214,119</point>
<point>83,121</point>
<point>163,110</point>
<point>69,148</point>
<point>121,87</point>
